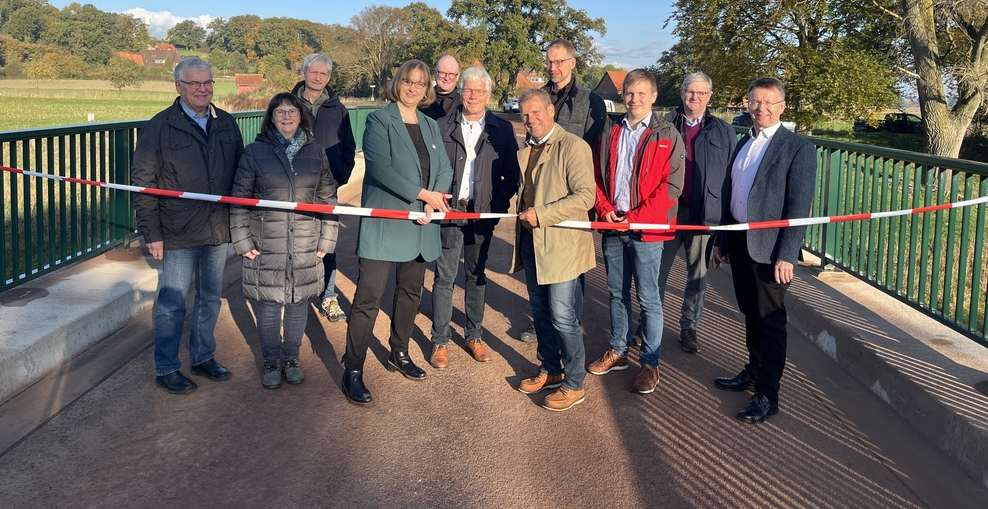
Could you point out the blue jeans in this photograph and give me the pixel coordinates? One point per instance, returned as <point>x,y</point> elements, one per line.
<point>178,266</point>
<point>269,323</point>
<point>626,255</point>
<point>329,263</point>
<point>699,253</point>
<point>474,263</point>
<point>557,323</point>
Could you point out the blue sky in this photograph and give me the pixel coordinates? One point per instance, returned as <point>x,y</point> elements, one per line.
<point>632,40</point>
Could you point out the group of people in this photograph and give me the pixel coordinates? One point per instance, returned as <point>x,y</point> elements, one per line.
<point>438,148</point>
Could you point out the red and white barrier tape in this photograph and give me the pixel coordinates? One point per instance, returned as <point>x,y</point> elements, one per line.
<point>436,216</point>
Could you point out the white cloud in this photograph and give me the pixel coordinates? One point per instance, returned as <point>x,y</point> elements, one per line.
<point>650,52</point>
<point>159,22</point>
<point>622,65</point>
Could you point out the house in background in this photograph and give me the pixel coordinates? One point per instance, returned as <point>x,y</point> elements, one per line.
<point>159,58</point>
<point>134,57</point>
<point>163,46</point>
<point>611,86</point>
<point>248,82</point>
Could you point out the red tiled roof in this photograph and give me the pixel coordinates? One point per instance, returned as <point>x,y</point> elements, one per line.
<point>131,56</point>
<point>249,79</point>
<point>617,77</point>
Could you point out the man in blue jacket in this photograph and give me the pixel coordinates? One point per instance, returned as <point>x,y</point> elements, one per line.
<point>330,123</point>
<point>709,141</point>
<point>483,151</point>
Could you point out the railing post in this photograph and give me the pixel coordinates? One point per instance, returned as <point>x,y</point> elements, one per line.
<point>120,207</point>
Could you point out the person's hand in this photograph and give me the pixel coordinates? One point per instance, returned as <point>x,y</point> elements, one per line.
<point>157,249</point>
<point>320,254</point>
<point>428,216</point>
<point>530,217</point>
<point>250,255</point>
<point>721,255</point>
<point>783,272</point>
<point>435,199</point>
<point>613,217</point>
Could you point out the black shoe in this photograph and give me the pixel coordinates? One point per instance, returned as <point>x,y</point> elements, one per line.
<point>529,336</point>
<point>211,370</point>
<point>759,408</point>
<point>354,389</point>
<point>742,382</point>
<point>688,338</point>
<point>401,362</point>
<point>176,383</point>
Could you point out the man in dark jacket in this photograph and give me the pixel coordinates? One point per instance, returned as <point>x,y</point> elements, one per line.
<point>191,146</point>
<point>447,97</point>
<point>483,151</point>
<point>579,111</point>
<point>709,141</point>
<point>330,123</point>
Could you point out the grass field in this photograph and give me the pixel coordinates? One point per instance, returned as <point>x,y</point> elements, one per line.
<point>25,104</point>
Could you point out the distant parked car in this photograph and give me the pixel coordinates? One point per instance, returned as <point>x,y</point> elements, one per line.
<point>744,120</point>
<point>511,106</point>
<point>896,122</point>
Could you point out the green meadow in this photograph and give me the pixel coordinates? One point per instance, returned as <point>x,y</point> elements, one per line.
<point>27,104</point>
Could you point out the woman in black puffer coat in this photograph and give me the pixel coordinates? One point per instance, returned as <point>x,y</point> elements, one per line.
<point>282,249</point>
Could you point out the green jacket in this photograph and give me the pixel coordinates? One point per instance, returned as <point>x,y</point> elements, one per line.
<point>392,180</point>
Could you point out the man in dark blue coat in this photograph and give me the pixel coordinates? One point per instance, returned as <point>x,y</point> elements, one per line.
<point>709,141</point>
<point>772,176</point>
<point>483,151</point>
<point>330,123</point>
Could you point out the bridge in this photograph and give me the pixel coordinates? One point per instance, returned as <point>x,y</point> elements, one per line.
<point>883,404</point>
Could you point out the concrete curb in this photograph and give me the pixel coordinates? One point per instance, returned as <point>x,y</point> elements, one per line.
<point>920,367</point>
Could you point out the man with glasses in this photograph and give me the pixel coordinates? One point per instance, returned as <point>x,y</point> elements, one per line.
<point>772,176</point>
<point>191,146</point>
<point>447,98</point>
<point>330,123</point>
<point>579,111</point>
<point>708,149</point>
<point>483,150</point>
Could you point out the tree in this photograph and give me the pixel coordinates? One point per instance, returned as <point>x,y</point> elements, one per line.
<point>217,38</point>
<point>28,23</point>
<point>835,56</point>
<point>949,43</point>
<point>44,67</point>
<point>225,62</point>
<point>382,35</point>
<point>239,33</point>
<point>433,36</point>
<point>123,72</point>
<point>517,32</point>
<point>187,33</point>
<point>275,70</point>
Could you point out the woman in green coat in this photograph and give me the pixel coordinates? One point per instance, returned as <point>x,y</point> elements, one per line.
<point>406,168</point>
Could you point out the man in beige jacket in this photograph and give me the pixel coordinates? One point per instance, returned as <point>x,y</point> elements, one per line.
<point>557,185</point>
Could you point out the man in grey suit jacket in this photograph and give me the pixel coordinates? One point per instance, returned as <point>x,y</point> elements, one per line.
<point>772,176</point>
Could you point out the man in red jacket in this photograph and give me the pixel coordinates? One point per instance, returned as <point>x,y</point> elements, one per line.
<point>639,172</point>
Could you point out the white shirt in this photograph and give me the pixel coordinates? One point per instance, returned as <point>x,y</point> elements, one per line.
<point>631,136</point>
<point>746,167</point>
<point>471,135</point>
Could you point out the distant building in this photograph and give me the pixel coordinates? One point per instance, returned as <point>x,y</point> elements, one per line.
<point>159,58</point>
<point>163,46</point>
<point>248,82</point>
<point>134,57</point>
<point>611,86</point>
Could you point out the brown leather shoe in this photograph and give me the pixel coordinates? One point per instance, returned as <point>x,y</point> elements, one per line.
<point>478,350</point>
<point>440,356</point>
<point>540,382</point>
<point>609,362</point>
<point>646,380</point>
<point>563,399</point>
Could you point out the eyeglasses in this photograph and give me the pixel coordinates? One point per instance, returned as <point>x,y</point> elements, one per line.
<point>474,91</point>
<point>292,113</point>
<point>758,104</point>
<point>697,94</point>
<point>197,84</point>
<point>556,63</point>
<point>447,74</point>
<point>417,85</point>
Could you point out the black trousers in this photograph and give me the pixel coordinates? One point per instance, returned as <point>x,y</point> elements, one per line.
<point>763,303</point>
<point>371,282</point>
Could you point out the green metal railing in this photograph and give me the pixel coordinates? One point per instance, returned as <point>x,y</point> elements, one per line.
<point>934,261</point>
<point>48,224</point>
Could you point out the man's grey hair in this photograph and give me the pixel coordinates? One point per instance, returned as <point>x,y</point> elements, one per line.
<point>769,82</point>
<point>192,64</point>
<point>316,58</point>
<point>476,74</point>
<point>693,78</point>
<point>535,93</point>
